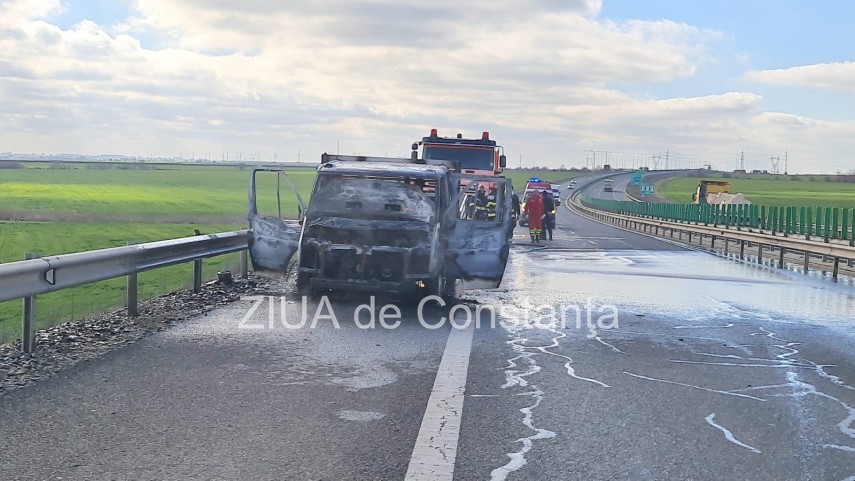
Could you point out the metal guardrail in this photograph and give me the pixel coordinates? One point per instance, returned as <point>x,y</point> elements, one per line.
<point>40,275</point>
<point>828,223</point>
<point>835,250</point>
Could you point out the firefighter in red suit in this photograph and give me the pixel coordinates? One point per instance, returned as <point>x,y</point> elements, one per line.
<point>534,212</point>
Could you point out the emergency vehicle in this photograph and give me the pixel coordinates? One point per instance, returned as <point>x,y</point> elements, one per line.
<point>531,187</point>
<point>471,157</point>
<point>468,156</point>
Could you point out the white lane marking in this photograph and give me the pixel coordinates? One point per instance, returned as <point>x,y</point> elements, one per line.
<point>728,435</point>
<point>436,445</point>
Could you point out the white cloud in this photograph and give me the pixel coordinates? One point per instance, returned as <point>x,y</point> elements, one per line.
<point>211,75</point>
<point>836,76</point>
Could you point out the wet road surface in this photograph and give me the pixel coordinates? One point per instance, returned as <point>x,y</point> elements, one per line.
<point>690,367</point>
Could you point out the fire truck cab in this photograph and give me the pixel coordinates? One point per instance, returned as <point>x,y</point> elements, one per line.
<point>469,156</point>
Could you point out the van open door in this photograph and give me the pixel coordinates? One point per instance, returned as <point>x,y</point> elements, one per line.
<point>479,241</point>
<point>275,225</point>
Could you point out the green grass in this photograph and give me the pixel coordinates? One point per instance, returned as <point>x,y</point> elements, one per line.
<point>769,192</point>
<point>45,238</point>
<point>51,238</point>
<point>202,194</point>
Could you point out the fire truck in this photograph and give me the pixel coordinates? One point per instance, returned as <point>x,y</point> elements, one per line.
<point>481,157</point>
<point>533,186</point>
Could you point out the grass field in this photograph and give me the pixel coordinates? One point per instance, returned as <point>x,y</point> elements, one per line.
<point>202,194</point>
<point>769,192</point>
<point>17,238</point>
<point>111,207</point>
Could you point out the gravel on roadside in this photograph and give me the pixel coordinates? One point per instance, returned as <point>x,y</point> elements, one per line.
<point>67,344</point>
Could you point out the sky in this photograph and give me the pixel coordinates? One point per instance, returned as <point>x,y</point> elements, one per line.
<point>555,82</point>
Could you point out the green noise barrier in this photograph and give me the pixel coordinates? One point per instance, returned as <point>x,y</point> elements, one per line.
<point>825,222</point>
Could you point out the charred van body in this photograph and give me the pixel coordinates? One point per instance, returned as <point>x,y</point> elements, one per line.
<point>391,226</point>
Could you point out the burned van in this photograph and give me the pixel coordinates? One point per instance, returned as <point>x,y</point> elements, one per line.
<point>388,226</point>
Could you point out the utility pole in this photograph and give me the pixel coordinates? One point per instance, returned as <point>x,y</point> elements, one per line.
<point>786,161</point>
<point>520,161</point>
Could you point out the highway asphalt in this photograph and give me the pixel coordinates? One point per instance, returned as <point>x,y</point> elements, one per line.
<point>620,181</point>
<point>690,368</point>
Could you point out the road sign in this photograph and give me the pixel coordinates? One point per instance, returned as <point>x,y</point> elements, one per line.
<point>636,180</point>
<point>647,189</point>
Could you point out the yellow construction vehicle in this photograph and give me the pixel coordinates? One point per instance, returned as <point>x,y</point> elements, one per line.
<point>709,187</point>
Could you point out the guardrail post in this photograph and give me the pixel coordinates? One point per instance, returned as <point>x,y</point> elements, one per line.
<point>742,249</point>
<point>131,292</point>
<point>197,276</point>
<point>197,270</point>
<point>826,226</point>
<point>836,269</point>
<point>807,263</point>
<point>788,219</point>
<point>781,257</point>
<point>726,246</point>
<point>244,261</point>
<point>759,253</point>
<point>852,234</point>
<point>28,324</point>
<point>712,242</point>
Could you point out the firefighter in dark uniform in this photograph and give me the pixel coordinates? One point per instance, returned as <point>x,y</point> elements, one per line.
<point>515,201</point>
<point>491,204</point>
<point>481,204</point>
<point>549,220</point>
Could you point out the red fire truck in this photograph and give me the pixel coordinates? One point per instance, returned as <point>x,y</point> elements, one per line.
<point>468,156</point>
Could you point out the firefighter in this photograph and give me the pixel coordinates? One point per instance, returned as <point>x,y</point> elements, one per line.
<point>491,204</point>
<point>515,200</point>
<point>534,211</point>
<point>481,204</point>
<point>549,219</point>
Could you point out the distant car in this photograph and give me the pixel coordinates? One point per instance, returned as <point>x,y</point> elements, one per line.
<point>608,186</point>
<point>556,194</point>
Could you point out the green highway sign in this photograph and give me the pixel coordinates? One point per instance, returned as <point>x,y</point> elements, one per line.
<point>647,189</point>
